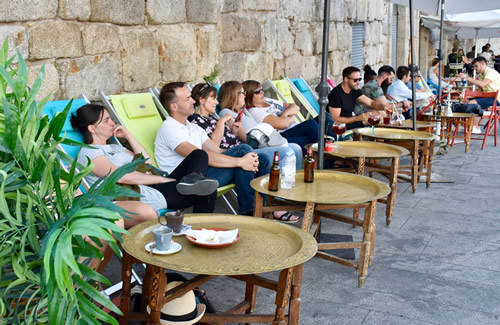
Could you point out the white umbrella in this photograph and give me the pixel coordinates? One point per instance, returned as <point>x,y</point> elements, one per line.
<point>484,24</point>
<point>432,7</point>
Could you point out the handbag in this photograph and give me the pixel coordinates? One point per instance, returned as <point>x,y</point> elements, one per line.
<point>264,135</point>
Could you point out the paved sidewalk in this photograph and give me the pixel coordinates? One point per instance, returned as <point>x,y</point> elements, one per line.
<point>438,262</point>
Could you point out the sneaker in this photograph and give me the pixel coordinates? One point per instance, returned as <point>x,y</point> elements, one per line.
<point>197,184</point>
<point>476,130</point>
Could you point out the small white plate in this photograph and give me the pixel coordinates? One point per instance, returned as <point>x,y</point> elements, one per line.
<point>183,230</point>
<point>174,248</point>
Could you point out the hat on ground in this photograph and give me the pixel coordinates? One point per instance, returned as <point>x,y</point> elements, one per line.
<point>182,310</point>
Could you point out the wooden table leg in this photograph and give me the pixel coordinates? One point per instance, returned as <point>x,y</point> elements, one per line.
<point>468,132</point>
<point>294,309</point>
<point>360,170</point>
<point>393,184</point>
<point>429,163</point>
<point>125,296</point>
<point>283,295</point>
<point>414,166</point>
<point>157,294</point>
<point>251,296</point>
<point>258,204</point>
<point>308,216</point>
<point>368,245</point>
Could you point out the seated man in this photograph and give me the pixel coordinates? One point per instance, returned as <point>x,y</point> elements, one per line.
<point>400,92</point>
<point>374,89</point>
<point>342,101</point>
<point>177,138</point>
<point>489,80</point>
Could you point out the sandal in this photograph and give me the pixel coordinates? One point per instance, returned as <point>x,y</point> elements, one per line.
<point>286,217</point>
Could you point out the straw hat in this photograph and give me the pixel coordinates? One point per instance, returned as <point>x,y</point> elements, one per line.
<point>182,310</point>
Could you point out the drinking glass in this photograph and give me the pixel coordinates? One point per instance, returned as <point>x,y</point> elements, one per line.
<point>373,120</point>
<point>338,129</point>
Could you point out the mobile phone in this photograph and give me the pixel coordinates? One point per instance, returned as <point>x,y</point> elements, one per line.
<point>240,115</point>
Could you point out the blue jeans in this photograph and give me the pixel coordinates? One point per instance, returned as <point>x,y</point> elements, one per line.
<point>485,102</point>
<point>269,153</point>
<point>240,177</point>
<point>302,134</point>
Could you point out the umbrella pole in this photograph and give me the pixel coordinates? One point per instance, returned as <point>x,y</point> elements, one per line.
<point>440,52</point>
<point>475,56</point>
<point>322,87</point>
<point>413,69</point>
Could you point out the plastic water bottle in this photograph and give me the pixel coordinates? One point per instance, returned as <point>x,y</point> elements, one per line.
<point>288,171</point>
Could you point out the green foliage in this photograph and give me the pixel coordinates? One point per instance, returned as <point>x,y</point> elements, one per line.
<point>48,234</point>
<point>213,75</point>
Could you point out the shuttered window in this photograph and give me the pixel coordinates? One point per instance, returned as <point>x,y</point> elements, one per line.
<point>357,45</point>
<point>394,34</point>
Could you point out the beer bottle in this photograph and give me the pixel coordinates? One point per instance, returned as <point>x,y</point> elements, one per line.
<point>274,175</point>
<point>309,167</point>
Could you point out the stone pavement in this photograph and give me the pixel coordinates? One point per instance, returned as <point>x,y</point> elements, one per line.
<point>438,262</point>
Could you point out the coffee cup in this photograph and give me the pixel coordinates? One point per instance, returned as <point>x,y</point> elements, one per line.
<point>163,237</point>
<point>175,220</point>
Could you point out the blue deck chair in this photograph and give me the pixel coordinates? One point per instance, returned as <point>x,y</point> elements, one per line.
<point>429,86</point>
<point>282,90</point>
<point>135,111</point>
<point>51,109</point>
<point>305,95</point>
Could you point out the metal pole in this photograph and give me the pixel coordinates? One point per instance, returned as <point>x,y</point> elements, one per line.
<point>322,87</point>
<point>440,52</point>
<point>413,69</point>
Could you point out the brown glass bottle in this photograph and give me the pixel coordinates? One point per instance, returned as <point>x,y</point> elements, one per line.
<point>274,175</point>
<point>309,167</point>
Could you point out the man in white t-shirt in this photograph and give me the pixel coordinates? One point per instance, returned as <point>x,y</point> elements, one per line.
<point>177,138</point>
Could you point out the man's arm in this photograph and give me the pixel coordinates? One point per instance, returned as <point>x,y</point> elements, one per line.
<point>480,83</point>
<point>335,111</point>
<point>363,99</point>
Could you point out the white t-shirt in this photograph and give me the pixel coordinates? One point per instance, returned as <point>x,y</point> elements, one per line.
<point>119,156</point>
<point>247,120</point>
<point>171,134</point>
<point>275,108</point>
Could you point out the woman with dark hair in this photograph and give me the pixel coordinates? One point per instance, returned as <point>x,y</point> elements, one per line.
<point>280,115</point>
<point>158,192</point>
<point>369,74</point>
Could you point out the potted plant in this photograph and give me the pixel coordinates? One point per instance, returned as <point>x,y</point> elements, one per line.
<point>48,233</point>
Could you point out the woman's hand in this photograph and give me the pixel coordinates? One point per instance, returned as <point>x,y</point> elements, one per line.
<point>120,132</point>
<point>225,118</point>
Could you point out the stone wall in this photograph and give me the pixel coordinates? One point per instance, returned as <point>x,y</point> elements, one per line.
<point>130,45</point>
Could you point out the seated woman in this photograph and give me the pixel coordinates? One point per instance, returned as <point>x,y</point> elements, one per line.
<point>157,192</point>
<point>433,74</point>
<point>280,115</point>
<point>228,133</point>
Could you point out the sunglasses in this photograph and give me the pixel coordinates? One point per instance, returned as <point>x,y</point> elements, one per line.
<point>258,91</point>
<point>355,79</point>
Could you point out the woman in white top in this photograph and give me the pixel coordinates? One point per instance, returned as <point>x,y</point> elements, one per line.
<point>157,192</point>
<point>434,72</point>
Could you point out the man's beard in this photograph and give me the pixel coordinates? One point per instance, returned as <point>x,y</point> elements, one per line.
<point>385,85</point>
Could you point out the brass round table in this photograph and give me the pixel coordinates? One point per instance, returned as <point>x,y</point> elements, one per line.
<point>364,156</point>
<point>420,144</point>
<point>450,124</point>
<point>264,246</point>
<point>408,124</point>
<point>330,190</point>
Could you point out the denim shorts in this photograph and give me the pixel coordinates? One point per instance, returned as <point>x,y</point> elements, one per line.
<point>485,102</point>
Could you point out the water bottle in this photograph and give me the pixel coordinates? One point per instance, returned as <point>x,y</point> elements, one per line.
<point>288,171</point>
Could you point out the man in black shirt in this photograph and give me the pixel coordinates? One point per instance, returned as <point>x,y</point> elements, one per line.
<point>342,100</point>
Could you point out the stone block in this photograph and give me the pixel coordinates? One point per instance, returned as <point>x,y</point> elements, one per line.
<point>350,12</point>
<point>230,5</point>
<point>140,60</point>
<point>100,38</point>
<point>50,84</point>
<point>266,5</point>
<point>249,4</point>
<point>74,9</point>
<point>361,10</point>
<point>370,55</point>
<point>307,66</point>
<point>89,75</point>
<point>55,39</point>
<point>317,38</point>
<point>344,36</point>
<point>177,48</point>
<point>202,11</point>
<point>303,40</point>
<point>269,36</point>
<point>117,12</point>
<point>24,10</point>
<point>296,10</point>
<point>284,38</point>
<point>160,12</point>
<point>17,40</point>
<point>233,65</point>
<point>240,34</point>
<point>338,11</point>
<point>207,40</point>
<point>380,51</point>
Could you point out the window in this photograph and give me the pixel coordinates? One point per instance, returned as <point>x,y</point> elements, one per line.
<point>357,45</point>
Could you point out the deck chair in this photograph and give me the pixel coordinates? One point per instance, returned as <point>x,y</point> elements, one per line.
<point>305,95</point>
<point>135,111</point>
<point>493,116</point>
<point>426,86</point>
<point>330,83</point>
<point>51,109</point>
<point>282,90</point>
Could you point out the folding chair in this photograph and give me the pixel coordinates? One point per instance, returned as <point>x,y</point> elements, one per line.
<point>426,86</point>
<point>141,116</point>
<point>330,82</point>
<point>493,116</point>
<point>306,96</point>
<point>282,90</point>
<point>51,109</point>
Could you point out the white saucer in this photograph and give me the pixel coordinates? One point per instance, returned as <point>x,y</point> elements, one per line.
<point>174,248</point>
<point>183,230</point>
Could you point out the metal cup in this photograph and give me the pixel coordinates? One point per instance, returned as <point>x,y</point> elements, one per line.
<point>175,220</point>
<point>163,237</point>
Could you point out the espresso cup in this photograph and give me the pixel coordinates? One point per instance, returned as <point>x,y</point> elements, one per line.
<point>175,220</point>
<point>163,237</point>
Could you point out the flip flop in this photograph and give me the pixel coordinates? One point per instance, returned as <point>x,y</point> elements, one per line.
<point>286,218</point>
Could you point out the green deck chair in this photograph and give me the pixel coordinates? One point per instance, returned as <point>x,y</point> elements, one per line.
<point>282,90</point>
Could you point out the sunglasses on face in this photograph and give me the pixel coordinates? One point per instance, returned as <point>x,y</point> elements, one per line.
<point>356,79</point>
<point>259,91</point>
